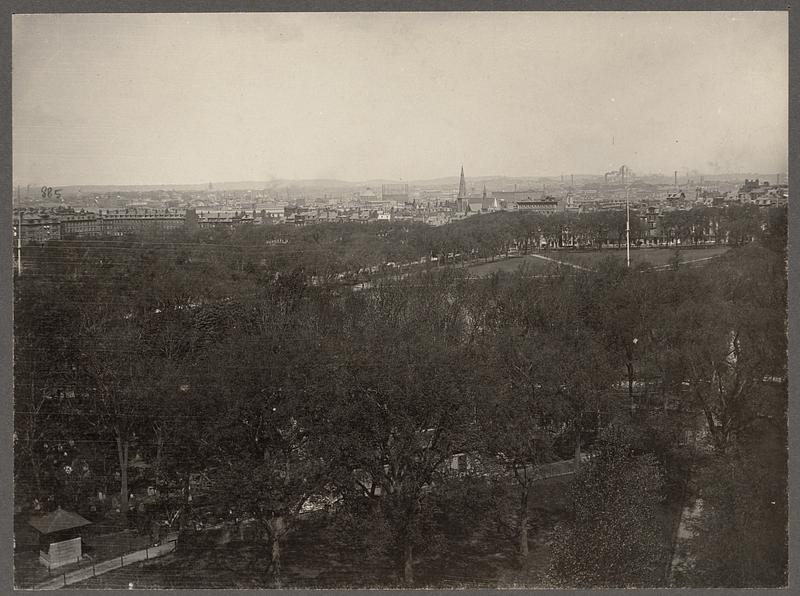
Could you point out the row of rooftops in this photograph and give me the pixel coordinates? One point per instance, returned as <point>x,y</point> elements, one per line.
<point>763,195</point>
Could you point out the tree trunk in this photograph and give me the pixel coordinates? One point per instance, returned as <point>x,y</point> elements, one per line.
<point>721,438</point>
<point>629,366</point>
<point>122,452</point>
<point>37,477</point>
<point>523,524</point>
<point>276,560</point>
<point>408,565</point>
<point>577,451</point>
<point>523,536</point>
<point>717,441</point>
<point>159,451</point>
<point>277,532</point>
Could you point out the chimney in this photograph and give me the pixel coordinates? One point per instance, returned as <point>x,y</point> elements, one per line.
<point>676,178</point>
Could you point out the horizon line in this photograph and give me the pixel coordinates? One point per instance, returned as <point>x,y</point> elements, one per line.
<point>15,185</point>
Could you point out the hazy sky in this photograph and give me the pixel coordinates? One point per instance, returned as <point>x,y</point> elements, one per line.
<point>191,98</point>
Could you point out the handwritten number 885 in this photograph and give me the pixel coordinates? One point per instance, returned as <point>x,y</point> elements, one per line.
<point>48,192</point>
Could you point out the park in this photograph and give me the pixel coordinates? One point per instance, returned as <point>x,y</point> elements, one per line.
<point>295,433</point>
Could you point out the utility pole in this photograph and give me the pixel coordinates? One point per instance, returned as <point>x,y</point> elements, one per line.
<point>628,227</point>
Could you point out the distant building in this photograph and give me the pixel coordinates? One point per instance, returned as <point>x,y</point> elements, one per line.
<point>610,204</point>
<point>368,195</point>
<point>710,197</point>
<point>749,185</point>
<point>37,227</point>
<point>650,217</point>
<point>510,197</point>
<point>473,205</point>
<point>397,193</point>
<point>546,206</point>
<point>270,215</point>
<point>223,219</point>
<point>489,203</point>
<point>116,222</point>
<point>618,177</point>
<point>82,225</point>
<point>438,219</point>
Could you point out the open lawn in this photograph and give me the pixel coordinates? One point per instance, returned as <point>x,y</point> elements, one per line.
<point>533,264</point>
<point>543,261</point>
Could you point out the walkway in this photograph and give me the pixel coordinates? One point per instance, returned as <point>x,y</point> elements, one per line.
<point>567,263</point>
<point>30,574</point>
<point>669,265</point>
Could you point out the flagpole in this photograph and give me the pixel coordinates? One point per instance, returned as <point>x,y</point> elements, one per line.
<point>628,226</point>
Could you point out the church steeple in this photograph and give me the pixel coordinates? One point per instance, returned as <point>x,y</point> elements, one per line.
<point>462,186</point>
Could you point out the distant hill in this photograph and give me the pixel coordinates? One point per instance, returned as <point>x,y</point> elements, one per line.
<point>492,183</point>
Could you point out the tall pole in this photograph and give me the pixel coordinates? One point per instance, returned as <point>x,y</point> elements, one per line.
<point>628,226</point>
<point>19,244</point>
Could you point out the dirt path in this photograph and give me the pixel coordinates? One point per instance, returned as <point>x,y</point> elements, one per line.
<point>567,263</point>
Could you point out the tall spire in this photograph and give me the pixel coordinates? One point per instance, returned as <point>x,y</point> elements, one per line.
<point>462,186</point>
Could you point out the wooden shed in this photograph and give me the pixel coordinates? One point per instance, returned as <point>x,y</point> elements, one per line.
<point>59,537</point>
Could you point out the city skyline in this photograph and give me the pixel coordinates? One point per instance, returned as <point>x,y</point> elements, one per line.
<point>569,179</point>
<point>183,99</point>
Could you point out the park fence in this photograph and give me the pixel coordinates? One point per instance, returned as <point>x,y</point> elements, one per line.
<point>95,569</point>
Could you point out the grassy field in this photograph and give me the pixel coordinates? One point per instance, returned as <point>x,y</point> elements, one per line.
<point>546,260</point>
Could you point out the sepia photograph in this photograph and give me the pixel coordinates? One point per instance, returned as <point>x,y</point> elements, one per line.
<point>381,300</point>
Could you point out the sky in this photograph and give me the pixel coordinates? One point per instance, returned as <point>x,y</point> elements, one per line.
<point>192,98</point>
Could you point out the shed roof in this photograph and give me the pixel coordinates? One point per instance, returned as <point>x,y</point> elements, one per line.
<point>58,520</point>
